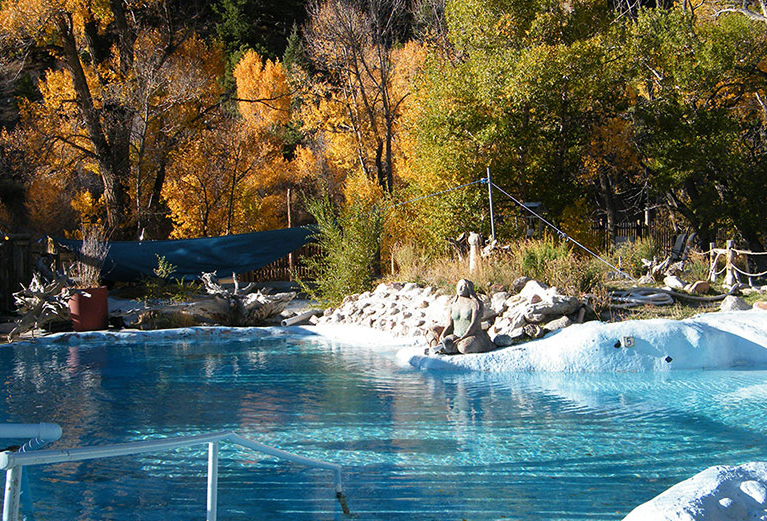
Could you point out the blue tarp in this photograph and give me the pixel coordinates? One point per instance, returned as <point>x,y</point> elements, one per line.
<point>132,261</point>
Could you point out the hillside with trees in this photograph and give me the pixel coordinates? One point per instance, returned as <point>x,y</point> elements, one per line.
<point>163,118</point>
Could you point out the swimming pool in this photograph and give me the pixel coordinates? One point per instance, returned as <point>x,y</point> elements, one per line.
<point>414,445</point>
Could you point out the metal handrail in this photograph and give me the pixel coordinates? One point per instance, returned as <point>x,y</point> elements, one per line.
<point>39,434</point>
<point>13,462</point>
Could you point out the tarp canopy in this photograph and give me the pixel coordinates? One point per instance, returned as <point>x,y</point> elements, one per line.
<point>131,261</point>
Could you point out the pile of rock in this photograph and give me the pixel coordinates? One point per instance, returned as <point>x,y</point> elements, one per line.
<point>531,311</point>
<point>536,310</point>
<point>400,309</point>
<point>675,283</point>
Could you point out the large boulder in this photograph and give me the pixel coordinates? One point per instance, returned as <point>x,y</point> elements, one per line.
<point>733,303</point>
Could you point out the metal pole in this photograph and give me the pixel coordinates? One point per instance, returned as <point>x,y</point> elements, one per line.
<point>212,481</point>
<point>12,493</point>
<point>490,197</point>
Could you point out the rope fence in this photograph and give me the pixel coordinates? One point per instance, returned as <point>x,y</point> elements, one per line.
<point>731,270</point>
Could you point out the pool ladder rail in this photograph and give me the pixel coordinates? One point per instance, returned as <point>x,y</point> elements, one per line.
<point>40,434</point>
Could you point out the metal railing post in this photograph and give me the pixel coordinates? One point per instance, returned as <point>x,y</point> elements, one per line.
<point>490,197</point>
<point>212,481</point>
<point>12,494</point>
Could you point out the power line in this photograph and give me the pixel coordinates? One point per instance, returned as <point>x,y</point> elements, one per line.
<point>561,233</point>
<point>436,193</point>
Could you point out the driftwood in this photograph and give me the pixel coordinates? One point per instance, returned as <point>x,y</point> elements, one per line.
<point>658,270</point>
<point>239,307</point>
<point>42,304</point>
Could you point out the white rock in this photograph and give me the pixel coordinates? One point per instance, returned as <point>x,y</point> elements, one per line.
<point>498,301</point>
<point>381,288</point>
<point>555,305</point>
<point>515,317</point>
<point>733,303</point>
<point>755,490</point>
<point>533,287</point>
<point>674,282</point>
<point>557,324</point>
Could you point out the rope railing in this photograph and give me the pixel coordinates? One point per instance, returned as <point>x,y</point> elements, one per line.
<point>731,270</point>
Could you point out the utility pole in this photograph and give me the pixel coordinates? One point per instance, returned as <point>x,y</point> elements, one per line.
<point>490,197</point>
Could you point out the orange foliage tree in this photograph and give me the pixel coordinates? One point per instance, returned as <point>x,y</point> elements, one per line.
<point>122,69</point>
<point>231,179</point>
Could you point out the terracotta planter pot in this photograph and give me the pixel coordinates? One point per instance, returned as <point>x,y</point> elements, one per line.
<point>90,313</point>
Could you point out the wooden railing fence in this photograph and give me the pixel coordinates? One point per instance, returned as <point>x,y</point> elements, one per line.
<point>284,268</point>
<point>733,274</point>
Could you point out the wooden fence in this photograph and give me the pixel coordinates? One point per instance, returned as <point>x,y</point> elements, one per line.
<point>286,267</point>
<point>664,236</point>
<point>16,261</point>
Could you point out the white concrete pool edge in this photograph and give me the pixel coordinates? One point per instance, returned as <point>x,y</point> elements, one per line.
<point>708,341</point>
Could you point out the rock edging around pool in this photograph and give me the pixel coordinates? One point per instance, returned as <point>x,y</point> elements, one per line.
<point>718,493</point>
<point>405,310</point>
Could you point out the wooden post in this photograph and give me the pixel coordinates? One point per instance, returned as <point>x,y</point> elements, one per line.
<point>290,255</point>
<point>729,279</point>
<point>712,257</point>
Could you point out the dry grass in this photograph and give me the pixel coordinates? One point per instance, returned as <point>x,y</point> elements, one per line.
<point>555,264</point>
<point>544,260</point>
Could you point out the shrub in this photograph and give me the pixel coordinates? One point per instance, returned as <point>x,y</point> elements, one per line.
<point>350,241</point>
<point>163,287</point>
<point>628,256</point>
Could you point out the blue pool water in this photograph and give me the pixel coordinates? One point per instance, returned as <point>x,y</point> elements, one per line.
<point>414,445</point>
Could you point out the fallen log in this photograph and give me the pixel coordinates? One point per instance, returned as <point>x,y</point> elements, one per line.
<point>220,306</point>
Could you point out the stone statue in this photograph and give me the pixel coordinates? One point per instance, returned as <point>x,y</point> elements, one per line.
<point>463,324</point>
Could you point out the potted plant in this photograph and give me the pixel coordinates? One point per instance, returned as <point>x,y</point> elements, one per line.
<point>88,306</point>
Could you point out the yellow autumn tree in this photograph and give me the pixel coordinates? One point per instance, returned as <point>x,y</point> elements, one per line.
<point>263,93</point>
<point>356,107</point>
<point>126,88</point>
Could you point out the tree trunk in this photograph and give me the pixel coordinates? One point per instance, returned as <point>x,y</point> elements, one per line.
<point>606,188</point>
<point>111,154</point>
